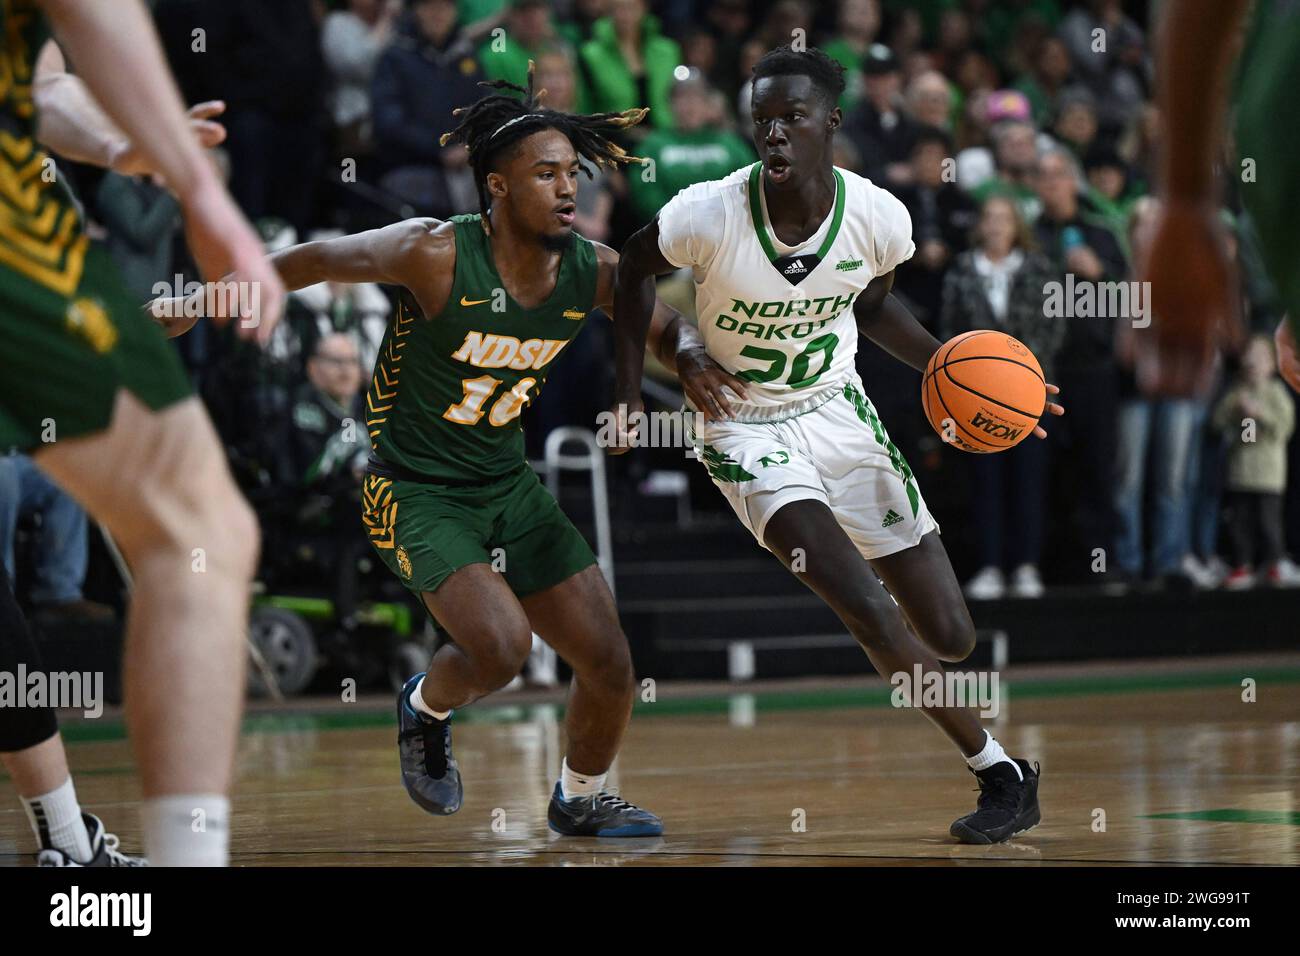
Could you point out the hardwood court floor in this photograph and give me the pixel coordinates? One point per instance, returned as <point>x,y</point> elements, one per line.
<point>1183,770</point>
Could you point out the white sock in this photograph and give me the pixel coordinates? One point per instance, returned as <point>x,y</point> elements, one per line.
<point>187,830</point>
<point>417,701</point>
<point>991,754</point>
<point>56,820</point>
<point>579,784</point>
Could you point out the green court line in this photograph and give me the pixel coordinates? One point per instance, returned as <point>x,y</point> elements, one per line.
<point>766,701</point>
<point>1285,817</point>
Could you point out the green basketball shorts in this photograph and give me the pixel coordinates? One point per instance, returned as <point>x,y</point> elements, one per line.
<point>63,358</point>
<point>425,532</point>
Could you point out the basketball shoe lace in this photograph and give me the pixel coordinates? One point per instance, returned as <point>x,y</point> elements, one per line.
<point>610,799</point>
<point>118,858</point>
<point>427,750</point>
<point>999,794</point>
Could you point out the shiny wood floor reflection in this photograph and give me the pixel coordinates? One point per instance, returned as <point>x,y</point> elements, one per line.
<point>1139,773</point>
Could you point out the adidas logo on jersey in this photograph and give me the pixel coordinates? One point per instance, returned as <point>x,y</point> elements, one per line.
<point>796,266</point>
<point>891,518</point>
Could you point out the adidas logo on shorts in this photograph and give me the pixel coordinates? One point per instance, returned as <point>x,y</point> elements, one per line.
<point>891,518</point>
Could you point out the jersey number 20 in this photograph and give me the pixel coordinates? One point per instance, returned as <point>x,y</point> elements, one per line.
<point>799,377</point>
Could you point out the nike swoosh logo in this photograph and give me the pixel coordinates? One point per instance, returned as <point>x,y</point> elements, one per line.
<point>465,300</point>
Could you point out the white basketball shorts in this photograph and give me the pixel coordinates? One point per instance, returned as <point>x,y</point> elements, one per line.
<point>838,454</point>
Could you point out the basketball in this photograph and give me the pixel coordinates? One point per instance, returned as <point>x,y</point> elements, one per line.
<point>983,391</point>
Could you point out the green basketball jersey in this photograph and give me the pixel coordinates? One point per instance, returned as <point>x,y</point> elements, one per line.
<point>448,390</point>
<point>41,237</point>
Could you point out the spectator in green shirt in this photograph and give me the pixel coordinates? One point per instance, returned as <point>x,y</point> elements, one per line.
<point>857,24</point>
<point>629,64</point>
<point>700,148</point>
<point>1046,79</point>
<point>527,32</point>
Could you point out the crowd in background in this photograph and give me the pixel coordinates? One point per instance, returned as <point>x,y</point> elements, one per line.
<point>1021,147</point>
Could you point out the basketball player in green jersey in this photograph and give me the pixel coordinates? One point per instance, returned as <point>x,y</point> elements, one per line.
<point>69,122</point>
<point>450,503</point>
<point>89,387</point>
<point>1193,288</point>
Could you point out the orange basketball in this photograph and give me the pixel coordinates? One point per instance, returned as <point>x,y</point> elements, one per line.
<point>983,391</point>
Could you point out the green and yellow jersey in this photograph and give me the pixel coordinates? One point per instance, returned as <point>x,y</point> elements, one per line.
<point>448,390</point>
<point>41,236</point>
<point>73,335</point>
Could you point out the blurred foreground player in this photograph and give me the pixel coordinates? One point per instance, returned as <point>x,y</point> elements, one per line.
<point>32,753</point>
<point>451,504</point>
<point>90,388</point>
<point>1193,286</point>
<point>792,257</point>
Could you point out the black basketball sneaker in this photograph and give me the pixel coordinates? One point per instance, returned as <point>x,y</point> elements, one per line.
<point>600,815</point>
<point>1006,806</point>
<point>103,849</point>
<point>429,771</point>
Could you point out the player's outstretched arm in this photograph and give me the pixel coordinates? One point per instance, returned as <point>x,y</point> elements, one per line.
<point>392,255</point>
<point>117,54</point>
<point>417,254</point>
<point>1193,284</point>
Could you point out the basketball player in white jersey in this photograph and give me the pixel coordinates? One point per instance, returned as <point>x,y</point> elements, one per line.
<point>792,257</point>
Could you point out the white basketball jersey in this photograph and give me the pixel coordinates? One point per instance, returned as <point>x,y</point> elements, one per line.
<point>792,342</point>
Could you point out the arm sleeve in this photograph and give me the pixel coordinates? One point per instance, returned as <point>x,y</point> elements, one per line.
<point>690,228</point>
<point>892,232</point>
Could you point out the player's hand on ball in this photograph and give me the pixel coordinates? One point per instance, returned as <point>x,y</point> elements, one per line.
<point>1194,299</point>
<point>1052,408</point>
<point>1288,357</point>
<point>703,380</point>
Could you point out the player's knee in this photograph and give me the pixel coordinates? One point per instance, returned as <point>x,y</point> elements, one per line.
<point>499,655</point>
<point>867,621</point>
<point>952,636</point>
<point>218,528</point>
<point>609,666</point>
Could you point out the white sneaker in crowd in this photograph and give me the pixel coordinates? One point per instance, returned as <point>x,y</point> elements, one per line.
<point>1239,579</point>
<point>1199,574</point>
<point>1025,582</point>
<point>1284,574</point>
<point>987,585</point>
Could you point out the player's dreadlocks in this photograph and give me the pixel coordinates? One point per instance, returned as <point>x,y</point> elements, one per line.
<point>497,122</point>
